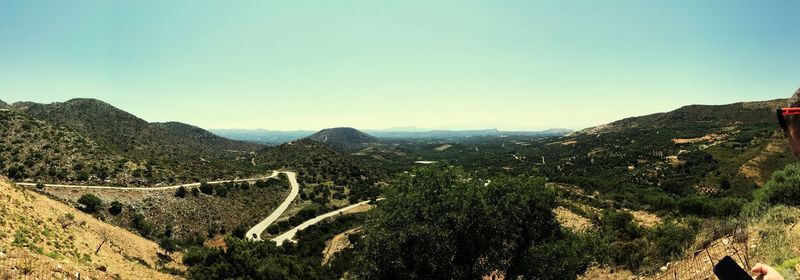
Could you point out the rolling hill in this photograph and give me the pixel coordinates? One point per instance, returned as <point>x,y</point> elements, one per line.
<point>344,138</point>
<point>87,140</point>
<point>33,149</point>
<point>316,162</point>
<point>124,132</point>
<point>743,113</point>
<point>731,147</point>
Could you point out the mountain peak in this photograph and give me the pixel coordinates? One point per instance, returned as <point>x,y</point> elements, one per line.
<point>346,138</point>
<point>347,135</point>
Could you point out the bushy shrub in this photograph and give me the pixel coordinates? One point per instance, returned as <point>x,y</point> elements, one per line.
<point>116,208</point>
<point>783,188</point>
<point>669,240</point>
<point>634,247</point>
<point>239,231</point>
<point>222,190</point>
<point>711,207</point>
<point>261,184</point>
<point>91,203</point>
<point>630,254</point>
<point>140,224</point>
<point>181,192</point>
<point>168,245</point>
<point>250,260</point>
<point>16,172</point>
<point>206,188</point>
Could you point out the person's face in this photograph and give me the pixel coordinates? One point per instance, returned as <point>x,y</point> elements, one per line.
<point>794,139</point>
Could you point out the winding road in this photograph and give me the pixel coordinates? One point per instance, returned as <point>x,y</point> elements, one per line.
<point>255,232</point>
<point>274,174</point>
<point>287,236</point>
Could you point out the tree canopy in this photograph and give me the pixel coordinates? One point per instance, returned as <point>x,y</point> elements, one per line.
<point>440,223</point>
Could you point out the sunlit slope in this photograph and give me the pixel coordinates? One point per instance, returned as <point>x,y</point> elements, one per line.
<point>42,239</point>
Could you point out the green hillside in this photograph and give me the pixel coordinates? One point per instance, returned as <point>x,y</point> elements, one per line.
<point>125,150</point>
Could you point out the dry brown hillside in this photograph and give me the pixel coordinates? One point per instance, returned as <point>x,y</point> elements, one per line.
<point>41,238</point>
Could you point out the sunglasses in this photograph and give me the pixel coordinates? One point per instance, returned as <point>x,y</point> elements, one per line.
<point>782,113</point>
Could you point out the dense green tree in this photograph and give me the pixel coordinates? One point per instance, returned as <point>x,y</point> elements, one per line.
<point>783,188</point>
<point>669,240</point>
<point>16,172</point>
<point>180,192</point>
<point>141,225</point>
<point>91,203</point>
<point>168,245</point>
<point>206,188</point>
<point>116,208</point>
<point>618,225</point>
<point>439,223</point>
<point>246,259</point>
<point>222,189</point>
<point>725,183</point>
<point>239,231</point>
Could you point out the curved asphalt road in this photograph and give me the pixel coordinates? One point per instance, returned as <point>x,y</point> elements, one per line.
<point>287,236</point>
<point>274,173</point>
<point>255,232</point>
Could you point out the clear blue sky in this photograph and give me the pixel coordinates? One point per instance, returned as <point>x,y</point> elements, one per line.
<point>375,64</point>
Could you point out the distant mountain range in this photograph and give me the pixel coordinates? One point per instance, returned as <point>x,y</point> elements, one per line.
<point>274,137</point>
<point>445,134</point>
<point>262,136</point>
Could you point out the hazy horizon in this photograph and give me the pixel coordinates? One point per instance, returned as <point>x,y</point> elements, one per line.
<point>286,65</point>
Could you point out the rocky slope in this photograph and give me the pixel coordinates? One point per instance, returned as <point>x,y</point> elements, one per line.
<point>44,239</point>
<point>194,215</point>
<point>31,148</point>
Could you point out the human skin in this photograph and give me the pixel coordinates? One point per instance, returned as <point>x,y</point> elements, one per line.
<point>765,272</point>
